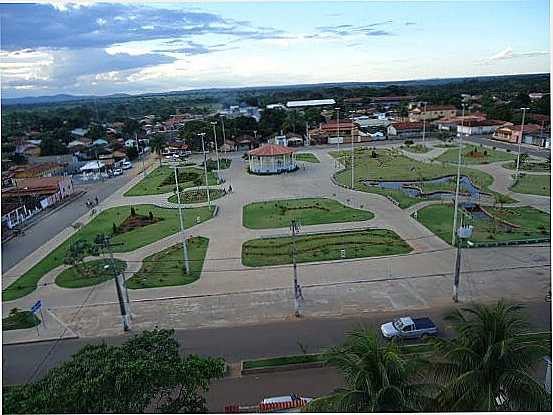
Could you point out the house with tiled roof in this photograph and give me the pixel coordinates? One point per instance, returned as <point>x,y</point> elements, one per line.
<point>480,127</point>
<point>432,112</point>
<point>513,133</point>
<point>401,130</point>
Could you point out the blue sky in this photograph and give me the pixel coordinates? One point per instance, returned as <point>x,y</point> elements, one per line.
<point>104,48</point>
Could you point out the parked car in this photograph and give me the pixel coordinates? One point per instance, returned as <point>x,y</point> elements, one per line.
<point>126,165</point>
<point>409,328</point>
<point>117,172</point>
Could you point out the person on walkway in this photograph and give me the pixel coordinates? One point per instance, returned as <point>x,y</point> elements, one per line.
<point>96,200</point>
<point>230,189</point>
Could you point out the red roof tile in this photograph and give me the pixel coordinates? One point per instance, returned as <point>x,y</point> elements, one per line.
<point>269,150</point>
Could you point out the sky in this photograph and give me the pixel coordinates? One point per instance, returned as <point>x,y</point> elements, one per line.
<point>106,48</point>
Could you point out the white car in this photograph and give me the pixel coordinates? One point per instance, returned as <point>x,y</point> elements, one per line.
<point>117,172</point>
<point>126,165</point>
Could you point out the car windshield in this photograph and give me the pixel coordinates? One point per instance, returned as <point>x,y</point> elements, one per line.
<point>398,324</point>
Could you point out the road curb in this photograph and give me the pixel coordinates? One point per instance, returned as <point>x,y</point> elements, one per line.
<point>49,339</point>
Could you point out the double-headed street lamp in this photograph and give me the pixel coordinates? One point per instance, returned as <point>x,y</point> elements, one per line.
<point>202,135</point>
<point>463,233</point>
<point>520,141</point>
<point>184,243</point>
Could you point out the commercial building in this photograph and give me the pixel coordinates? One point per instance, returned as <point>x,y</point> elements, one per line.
<point>432,112</point>
<point>482,127</point>
<point>310,103</point>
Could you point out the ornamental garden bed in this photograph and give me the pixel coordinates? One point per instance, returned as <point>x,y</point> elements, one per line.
<point>90,273</point>
<point>166,268</point>
<point>308,211</point>
<point>197,196</point>
<point>472,154</point>
<point>323,247</point>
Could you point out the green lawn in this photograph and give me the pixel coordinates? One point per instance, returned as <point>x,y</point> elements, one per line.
<point>309,157</point>
<point>323,247</point>
<point>166,268</point>
<point>533,184</point>
<point>309,211</point>
<point>391,165</point>
<point>533,223</point>
<point>445,146</point>
<point>196,196</point>
<point>472,154</point>
<point>283,360</point>
<point>103,223</point>
<point>18,319</point>
<point>95,273</point>
<point>417,148</point>
<point>212,164</point>
<point>529,166</point>
<point>162,180</point>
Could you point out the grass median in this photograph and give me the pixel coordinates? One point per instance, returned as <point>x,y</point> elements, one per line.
<point>90,273</point>
<point>323,247</point>
<point>196,196</point>
<point>166,268</point>
<point>531,223</point>
<point>308,211</point>
<point>162,180</point>
<point>309,157</point>
<point>18,319</point>
<point>167,224</point>
<point>472,154</point>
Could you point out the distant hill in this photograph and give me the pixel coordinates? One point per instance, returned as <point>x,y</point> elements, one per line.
<point>60,98</point>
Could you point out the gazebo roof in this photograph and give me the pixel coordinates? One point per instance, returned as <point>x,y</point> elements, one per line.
<point>269,150</point>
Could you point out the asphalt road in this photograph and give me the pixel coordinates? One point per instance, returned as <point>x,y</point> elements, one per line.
<point>46,228</point>
<point>528,149</point>
<point>232,343</point>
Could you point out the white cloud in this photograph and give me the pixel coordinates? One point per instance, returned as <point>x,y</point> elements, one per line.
<point>509,54</point>
<point>101,22</point>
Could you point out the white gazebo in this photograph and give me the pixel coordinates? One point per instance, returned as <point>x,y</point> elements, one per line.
<point>272,159</point>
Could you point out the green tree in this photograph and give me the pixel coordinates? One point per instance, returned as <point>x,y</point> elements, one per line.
<point>49,146</point>
<point>378,378</point>
<point>96,131</point>
<point>523,158</point>
<point>486,365</point>
<point>77,252</point>
<point>145,372</point>
<point>131,127</point>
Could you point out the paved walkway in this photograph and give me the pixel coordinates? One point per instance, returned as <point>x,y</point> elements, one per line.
<point>229,293</point>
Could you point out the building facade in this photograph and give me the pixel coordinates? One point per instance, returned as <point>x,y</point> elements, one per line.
<point>432,112</point>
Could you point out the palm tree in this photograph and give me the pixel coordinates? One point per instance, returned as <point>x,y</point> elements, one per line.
<point>486,365</point>
<point>157,143</point>
<point>378,378</point>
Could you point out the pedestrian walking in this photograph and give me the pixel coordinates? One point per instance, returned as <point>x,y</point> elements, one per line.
<point>96,199</point>
<point>230,188</point>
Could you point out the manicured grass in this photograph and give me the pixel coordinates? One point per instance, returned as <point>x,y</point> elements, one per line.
<point>403,199</point>
<point>18,319</point>
<point>162,180</point>
<point>309,211</point>
<point>196,196</point>
<point>533,223</point>
<point>417,148</point>
<point>103,223</point>
<point>472,154</point>
<point>323,247</point>
<point>212,164</point>
<point>533,184</point>
<point>529,166</point>
<point>309,157</point>
<point>166,268</point>
<point>445,145</point>
<point>283,360</point>
<point>391,165</point>
<point>94,273</point>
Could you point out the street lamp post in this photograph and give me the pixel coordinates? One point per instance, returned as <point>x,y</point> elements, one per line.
<point>184,243</point>
<point>424,124</point>
<point>298,296</point>
<point>205,169</point>
<point>458,177</point>
<point>520,141</point>
<point>224,139</point>
<point>352,160</point>
<point>214,123</point>
<point>338,124</point>
<point>463,233</point>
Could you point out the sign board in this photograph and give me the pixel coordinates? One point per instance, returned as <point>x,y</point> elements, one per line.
<point>36,306</point>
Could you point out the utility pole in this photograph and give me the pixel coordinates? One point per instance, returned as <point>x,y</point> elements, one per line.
<point>464,232</point>
<point>205,169</point>
<point>119,285</point>
<point>520,141</point>
<point>214,123</point>
<point>184,243</point>
<point>298,296</point>
<point>458,178</point>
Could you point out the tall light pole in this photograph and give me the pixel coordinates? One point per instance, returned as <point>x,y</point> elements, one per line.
<point>254,135</point>
<point>458,177</point>
<point>424,124</point>
<point>338,123</point>
<point>352,159</point>
<point>520,141</point>
<point>298,296</point>
<point>464,232</point>
<point>224,139</point>
<point>184,244</point>
<point>205,169</point>
<point>214,123</point>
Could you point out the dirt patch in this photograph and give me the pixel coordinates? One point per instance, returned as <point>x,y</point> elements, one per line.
<point>135,222</point>
<point>475,154</point>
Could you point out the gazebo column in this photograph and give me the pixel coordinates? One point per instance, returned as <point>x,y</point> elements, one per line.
<point>260,163</point>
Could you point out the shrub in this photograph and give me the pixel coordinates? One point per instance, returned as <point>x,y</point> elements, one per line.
<point>133,212</point>
<point>408,142</point>
<point>151,215</point>
<point>374,154</point>
<point>508,150</point>
<point>485,152</point>
<point>114,228</point>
